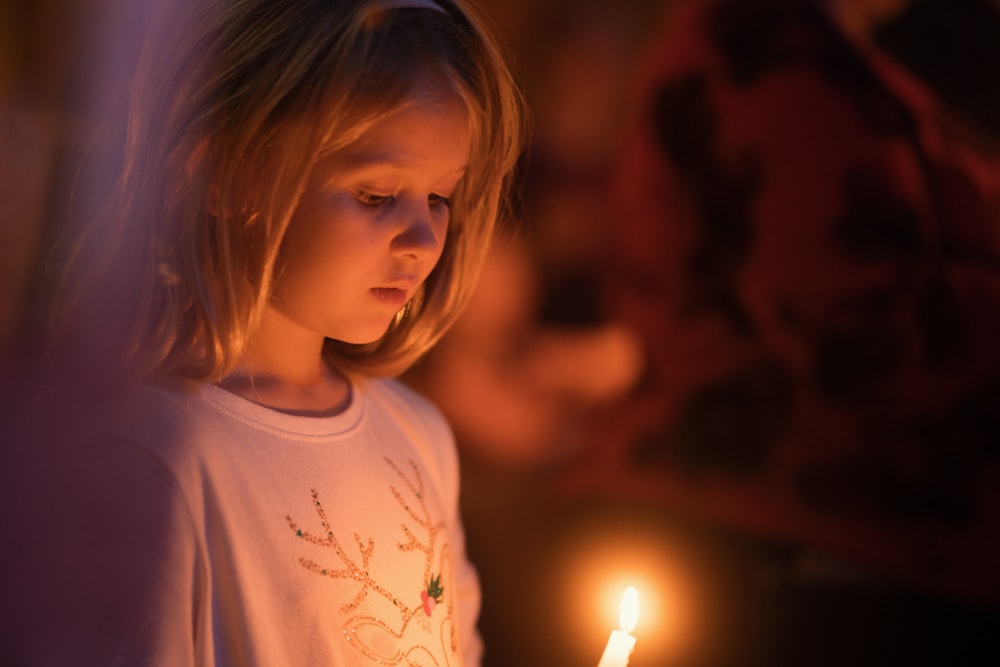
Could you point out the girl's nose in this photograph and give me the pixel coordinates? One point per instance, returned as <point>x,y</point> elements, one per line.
<point>422,236</point>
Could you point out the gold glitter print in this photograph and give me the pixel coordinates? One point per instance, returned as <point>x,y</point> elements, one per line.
<point>419,632</point>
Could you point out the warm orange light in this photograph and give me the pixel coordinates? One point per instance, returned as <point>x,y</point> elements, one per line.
<point>601,561</point>
<point>621,643</point>
<point>628,613</point>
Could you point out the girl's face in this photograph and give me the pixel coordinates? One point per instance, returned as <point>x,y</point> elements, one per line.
<point>372,222</point>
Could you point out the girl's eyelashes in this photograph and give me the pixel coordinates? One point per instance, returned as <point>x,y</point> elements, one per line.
<point>439,200</point>
<point>372,199</point>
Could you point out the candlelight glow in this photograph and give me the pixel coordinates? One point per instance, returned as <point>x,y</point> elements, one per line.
<point>603,557</point>
<point>628,614</point>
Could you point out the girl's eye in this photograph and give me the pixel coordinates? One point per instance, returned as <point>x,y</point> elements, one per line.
<point>439,200</point>
<point>370,199</point>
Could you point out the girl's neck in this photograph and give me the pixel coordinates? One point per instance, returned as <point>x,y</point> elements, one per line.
<point>328,396</point>
<point>283,368</point>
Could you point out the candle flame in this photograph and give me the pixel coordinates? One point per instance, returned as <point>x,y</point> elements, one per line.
<point>628,613</point>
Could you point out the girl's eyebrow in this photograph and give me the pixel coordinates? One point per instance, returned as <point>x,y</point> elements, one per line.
<point>377,160</point>
<point>351,168</point>
<point>352,164</point>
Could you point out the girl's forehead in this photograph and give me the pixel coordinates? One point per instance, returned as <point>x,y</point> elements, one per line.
<point>427,87</point>
<point>429,133</point>
<point>430,103</point>
<point>432,87</point>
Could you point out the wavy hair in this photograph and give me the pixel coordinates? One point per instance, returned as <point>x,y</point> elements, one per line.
<point>232,105</point>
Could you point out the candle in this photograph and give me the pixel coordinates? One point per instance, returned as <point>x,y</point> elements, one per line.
<point>621,642</point>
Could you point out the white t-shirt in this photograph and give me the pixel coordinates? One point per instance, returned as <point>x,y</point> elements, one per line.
<point>262,538</point>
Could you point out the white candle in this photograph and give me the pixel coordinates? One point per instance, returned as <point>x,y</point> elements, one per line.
<point>621,643</point>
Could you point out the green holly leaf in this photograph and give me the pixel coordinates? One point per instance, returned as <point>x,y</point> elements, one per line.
<point>434,588</point>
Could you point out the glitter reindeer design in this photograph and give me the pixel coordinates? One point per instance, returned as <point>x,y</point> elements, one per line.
<point>392,643</point>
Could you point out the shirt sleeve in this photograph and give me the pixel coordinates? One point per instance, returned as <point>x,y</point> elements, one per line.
<point>106,570</point>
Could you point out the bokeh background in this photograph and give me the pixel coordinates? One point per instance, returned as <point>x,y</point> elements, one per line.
<point>626,412</point>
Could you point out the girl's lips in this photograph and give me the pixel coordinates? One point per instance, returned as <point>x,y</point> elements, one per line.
<point>391,295</point>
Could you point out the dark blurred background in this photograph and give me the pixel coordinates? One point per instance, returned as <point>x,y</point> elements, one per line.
<point>640,397</point>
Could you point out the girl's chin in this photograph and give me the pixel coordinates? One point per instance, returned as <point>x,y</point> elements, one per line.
<point>368,337</point>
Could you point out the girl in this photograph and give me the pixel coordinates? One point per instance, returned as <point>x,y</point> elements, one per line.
<point>308,190</point>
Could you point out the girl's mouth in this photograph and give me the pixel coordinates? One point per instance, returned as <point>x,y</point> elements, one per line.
<point>391,295</point>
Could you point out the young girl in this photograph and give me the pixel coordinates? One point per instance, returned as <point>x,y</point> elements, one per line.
<point>308,190</point>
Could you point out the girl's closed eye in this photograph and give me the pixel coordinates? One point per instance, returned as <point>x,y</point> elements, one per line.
<point>435,199</point>
<point>373,199</point>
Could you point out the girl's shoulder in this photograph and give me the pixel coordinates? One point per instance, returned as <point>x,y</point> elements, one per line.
<point>146,406</point>
<point>401,400</point>
<point>391,404</point>
<point>167,420</point>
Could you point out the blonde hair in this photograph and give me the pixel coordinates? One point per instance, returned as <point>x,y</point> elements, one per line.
<point>243,97</point>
